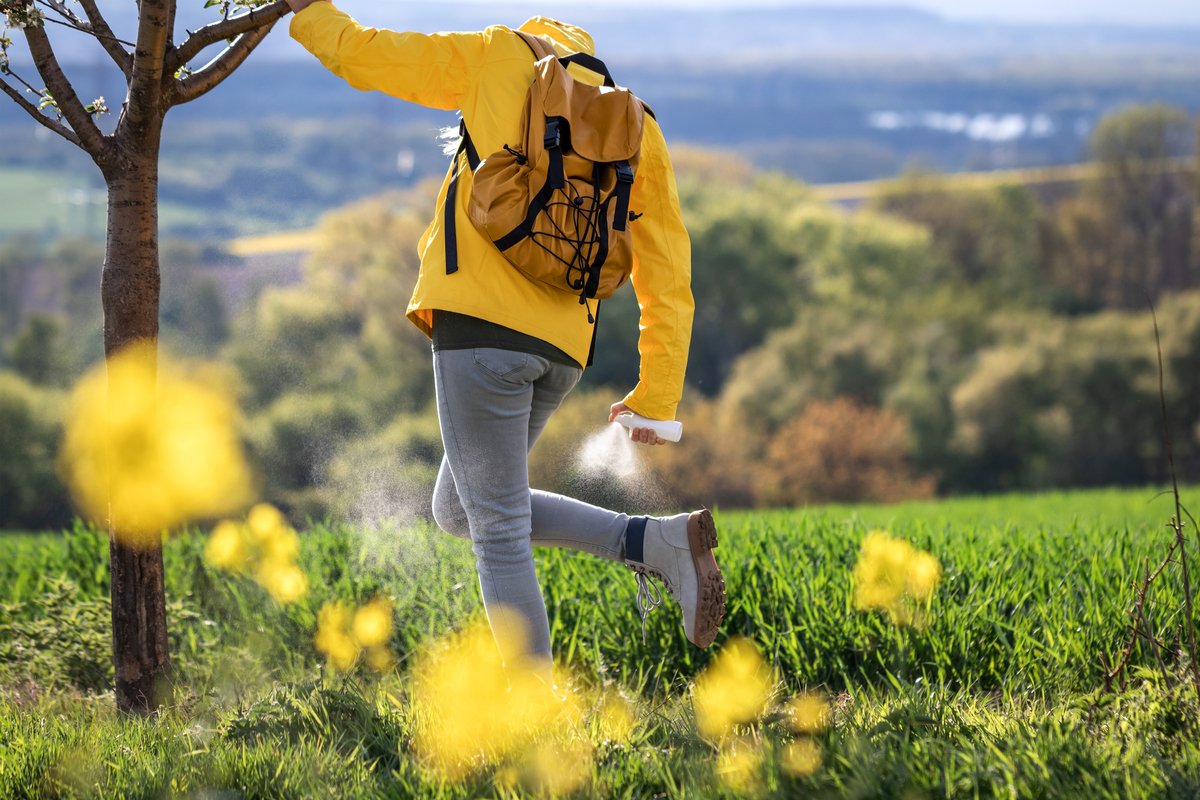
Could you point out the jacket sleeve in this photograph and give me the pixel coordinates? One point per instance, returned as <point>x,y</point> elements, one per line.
<point>662,274</point>
<point>432,70</point>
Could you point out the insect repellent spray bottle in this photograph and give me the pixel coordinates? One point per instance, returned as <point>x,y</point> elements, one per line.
<point>668,429</point>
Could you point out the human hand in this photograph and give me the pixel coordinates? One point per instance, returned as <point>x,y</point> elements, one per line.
<point>639,435</point>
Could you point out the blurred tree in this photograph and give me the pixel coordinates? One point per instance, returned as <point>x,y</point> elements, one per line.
<point>37,352</point>
<point>840,451</point>
<point>18,259</point>
<point>1130,234</point>
<point>158,77</point>
<point>986,237</point>
<point>31,495</point>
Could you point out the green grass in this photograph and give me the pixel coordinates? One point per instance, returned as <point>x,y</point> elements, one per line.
<point>998,696</point>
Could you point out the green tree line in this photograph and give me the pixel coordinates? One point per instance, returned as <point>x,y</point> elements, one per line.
<point>935,341</point>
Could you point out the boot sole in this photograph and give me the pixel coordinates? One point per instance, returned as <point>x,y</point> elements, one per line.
<point>710,584</point>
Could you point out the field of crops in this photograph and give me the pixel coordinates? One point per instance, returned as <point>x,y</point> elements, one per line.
<point>997,693</point>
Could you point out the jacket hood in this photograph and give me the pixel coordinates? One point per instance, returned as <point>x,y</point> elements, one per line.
<point>569,37</point>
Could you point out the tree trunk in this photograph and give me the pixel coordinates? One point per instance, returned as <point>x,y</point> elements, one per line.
<point>130,295</point>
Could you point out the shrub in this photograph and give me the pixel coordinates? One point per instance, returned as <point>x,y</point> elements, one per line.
<point>843,452</point>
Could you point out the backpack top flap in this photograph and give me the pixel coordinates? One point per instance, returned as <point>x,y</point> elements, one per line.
<point>605,122</point>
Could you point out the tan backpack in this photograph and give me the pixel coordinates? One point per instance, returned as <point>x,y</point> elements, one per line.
<point>556,202</point>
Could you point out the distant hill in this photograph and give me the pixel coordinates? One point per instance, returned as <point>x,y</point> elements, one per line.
<point>746,35</point>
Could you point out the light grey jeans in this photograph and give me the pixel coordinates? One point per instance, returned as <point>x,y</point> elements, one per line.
<point>492,405</point>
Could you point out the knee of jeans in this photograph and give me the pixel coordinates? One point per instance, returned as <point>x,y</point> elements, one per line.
<point>451,520</point>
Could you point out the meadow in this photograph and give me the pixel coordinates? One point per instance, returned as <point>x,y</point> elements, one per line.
<point>999,693</point>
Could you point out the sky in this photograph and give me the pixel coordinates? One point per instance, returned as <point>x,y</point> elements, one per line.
<point>1155,13</point>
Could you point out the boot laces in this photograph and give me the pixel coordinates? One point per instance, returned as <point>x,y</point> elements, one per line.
<point>649,595</point>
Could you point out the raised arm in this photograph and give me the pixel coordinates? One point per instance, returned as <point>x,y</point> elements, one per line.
<point>662,275</point>
<point>433,70</point>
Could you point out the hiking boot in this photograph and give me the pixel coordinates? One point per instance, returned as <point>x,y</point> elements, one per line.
<point>678,552</point>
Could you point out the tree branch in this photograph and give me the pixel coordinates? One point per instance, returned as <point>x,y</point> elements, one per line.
<point>211,74</point>
<point>226,29</point>
<point>42,119</point>
<point>104,34</point>
<point>87,134</point>
<point>146,82</point>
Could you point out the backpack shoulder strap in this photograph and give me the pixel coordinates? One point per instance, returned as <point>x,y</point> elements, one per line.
<point>540,46</point>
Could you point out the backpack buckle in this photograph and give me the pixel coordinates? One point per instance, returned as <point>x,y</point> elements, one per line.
<point>624,172</point>
<point>553,138</point>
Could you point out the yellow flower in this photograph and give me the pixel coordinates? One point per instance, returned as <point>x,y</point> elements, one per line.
<point>924,572</point>
<point>226,547</point>
<point>332,637</point>
<point>558,769</point>
<point>147,448</point>
<point>733,690</point>
<point>891,575</point>
<point>471,707</point>
<point>380,659</point>
<point>739,766</point>
<point>283,580</point>
<point>808,713</point>
<point>266,522</point>
<point>802,757</point>
<point>615,719</point>
<point>373,623</point>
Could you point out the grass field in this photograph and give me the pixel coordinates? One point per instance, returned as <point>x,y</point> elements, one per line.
<point>998,696</point>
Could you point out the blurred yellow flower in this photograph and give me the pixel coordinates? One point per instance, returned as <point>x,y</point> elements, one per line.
<point>471,708</point>
<point>147,448</point>
<point>615,718</point>
<point>556,769</point>
<point>802,757</point>
<point>283,580</point>
<point>733,690</point>
<point>924,572</point>
<point>264,547</point>
<point>808,713</point>
<point>891,575</point>
<point>373,623</point>
<point>739,766</point>
<point>333,638</point>
<point>344,634</point>
<point>226,548</point>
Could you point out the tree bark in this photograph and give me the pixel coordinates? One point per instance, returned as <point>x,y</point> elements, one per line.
<point>130,294</point>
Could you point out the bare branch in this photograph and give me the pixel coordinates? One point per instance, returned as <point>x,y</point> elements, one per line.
<point>226,29</point>
<point>211,74</point>
<point>88,135</point>
<point>146,82</point>
<point>103,33</point>
<point>42,119</point>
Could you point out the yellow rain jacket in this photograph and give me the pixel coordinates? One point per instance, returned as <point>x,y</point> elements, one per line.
<point>485,75</point>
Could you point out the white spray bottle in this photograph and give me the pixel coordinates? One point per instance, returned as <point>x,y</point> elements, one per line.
<point>668,429</point>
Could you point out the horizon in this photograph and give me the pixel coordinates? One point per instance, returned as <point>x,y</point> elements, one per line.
<point>1154,14</point>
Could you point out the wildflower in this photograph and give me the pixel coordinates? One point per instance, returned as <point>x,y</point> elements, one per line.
<point>733,690</point>
<point>891,575</point>
<point>808,713</point>
<point>264,547</point>
<point>226,547</point>
<point>372,624</point>
<point>615,719</point>
<point>556,769</point>
<point>739,766</point>
<point>147,448</point>
<point>471,707</point>
<point>802,757</point>
<point>333,638</point>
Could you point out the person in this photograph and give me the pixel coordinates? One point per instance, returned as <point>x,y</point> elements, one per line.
<point>507,350</point>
